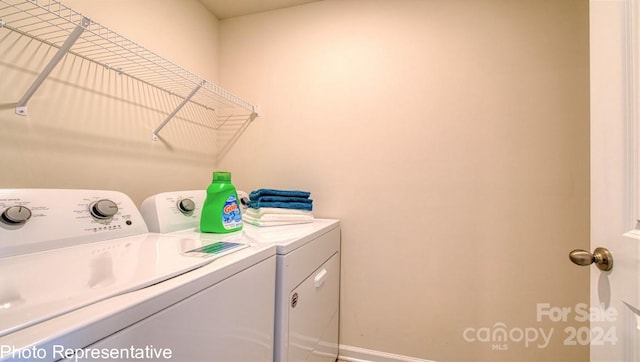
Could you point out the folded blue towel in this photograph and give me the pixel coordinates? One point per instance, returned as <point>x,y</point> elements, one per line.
<point>282,199</point>
<point>254,195</point>
<point>281,205</point>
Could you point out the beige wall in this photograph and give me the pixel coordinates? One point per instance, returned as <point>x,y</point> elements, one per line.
<point>90,128</point>
<point>451,139</point>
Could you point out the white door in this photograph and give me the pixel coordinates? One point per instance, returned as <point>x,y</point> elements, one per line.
<point>615,322</point>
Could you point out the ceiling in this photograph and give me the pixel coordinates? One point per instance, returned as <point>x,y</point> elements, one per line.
<point>224,9</point>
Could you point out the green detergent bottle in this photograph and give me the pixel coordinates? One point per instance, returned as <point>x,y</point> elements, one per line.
<point>221,209</point>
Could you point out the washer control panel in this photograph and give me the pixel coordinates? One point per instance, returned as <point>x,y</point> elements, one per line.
<point>42,219</point>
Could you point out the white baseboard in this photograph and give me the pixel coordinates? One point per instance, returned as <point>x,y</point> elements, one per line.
<point>357,354</point>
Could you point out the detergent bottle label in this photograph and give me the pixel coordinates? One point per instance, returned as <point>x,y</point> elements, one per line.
<point>231,217</point>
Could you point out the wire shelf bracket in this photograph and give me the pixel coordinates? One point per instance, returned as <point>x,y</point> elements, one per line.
<point>21,106</point>
<point>195,90</point>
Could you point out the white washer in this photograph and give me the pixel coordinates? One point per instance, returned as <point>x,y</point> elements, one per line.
<point>82,279</point>
<point>307,278</point>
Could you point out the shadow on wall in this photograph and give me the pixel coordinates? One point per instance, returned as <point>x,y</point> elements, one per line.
<point>88,106</point>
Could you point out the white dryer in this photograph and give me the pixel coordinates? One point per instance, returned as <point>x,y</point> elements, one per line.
<point>307,293</point>
<point>82,279</point>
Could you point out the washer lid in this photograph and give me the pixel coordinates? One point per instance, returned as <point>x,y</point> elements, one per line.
<point>39,286</point>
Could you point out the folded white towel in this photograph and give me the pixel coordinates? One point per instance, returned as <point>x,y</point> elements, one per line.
<point>275,210</point>
<point>281,217</point>
<point>270,216</point>
<point>276,222</point>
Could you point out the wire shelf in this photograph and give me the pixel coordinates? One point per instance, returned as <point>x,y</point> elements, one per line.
<point>55,24</point>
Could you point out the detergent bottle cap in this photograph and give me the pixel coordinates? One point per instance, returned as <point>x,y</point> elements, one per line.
<point>220,176</point>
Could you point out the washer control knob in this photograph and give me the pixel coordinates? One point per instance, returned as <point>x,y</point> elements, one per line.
<point>103,209</point>
<point>186,206</point>
<point>15,215</point>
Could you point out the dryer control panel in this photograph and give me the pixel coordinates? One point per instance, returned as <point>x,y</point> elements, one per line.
<point>41,219</point>
<point>173,211</point>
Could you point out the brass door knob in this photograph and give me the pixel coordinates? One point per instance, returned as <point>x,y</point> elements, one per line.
<point>601,256</point>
